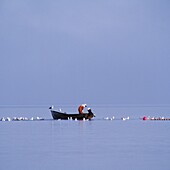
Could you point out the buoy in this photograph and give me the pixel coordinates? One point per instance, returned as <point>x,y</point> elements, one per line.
<point>3,119</point>
<point>31,118</point>
<point>14,118</point>
<point>145,118</point>
<point>8,119</point>
<point>106,118</point>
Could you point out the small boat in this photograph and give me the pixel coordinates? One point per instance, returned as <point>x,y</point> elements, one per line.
<point>64,116</point>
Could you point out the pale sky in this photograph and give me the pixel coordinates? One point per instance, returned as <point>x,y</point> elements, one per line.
<point>95,52</point>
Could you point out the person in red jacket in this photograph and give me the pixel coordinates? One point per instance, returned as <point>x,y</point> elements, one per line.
<point>81,108</point>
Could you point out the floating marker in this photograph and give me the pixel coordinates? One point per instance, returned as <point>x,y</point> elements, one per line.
<point>31,118</point>
<point>3,119</point>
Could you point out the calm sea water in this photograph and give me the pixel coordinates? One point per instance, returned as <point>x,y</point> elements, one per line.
<point>87,145</point>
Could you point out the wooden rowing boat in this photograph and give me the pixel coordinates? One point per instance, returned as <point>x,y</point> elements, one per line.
<point>65,116</point>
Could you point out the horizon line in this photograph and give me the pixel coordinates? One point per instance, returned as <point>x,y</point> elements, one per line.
<point>92,105</point>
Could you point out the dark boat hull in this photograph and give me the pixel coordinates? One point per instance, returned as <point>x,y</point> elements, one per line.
<point>65,116</point>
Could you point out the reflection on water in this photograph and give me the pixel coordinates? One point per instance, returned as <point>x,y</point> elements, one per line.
<point>96,144</point>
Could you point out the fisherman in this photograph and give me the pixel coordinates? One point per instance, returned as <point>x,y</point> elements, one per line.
<point>81,108</point>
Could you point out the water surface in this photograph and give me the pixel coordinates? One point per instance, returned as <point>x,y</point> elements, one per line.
<point>97,144</point>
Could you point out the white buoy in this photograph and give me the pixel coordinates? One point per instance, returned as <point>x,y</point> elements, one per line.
<point>8,119</point>
<point>84,119</point>
<point>123,118</point>
<point>75,119</point>
<point>14,118</point>
<point>31,118</point>
<point>3,119</point>
<point>21,118</point>
<point>38,118</point>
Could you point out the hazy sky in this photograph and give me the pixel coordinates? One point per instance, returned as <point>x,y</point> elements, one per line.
<point>72,51</point>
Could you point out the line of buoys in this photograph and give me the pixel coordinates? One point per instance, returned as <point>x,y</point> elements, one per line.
<point>109,118</point>
<point>112,118</point>
<point>20,119</point>
<point>75,119</point>
<point>125,118</point>
<point>155,118</point>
